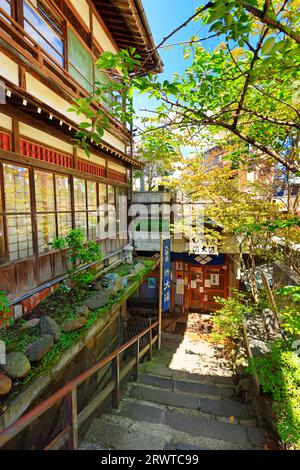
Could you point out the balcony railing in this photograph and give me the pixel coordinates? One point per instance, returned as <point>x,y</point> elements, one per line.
<point>21,43</point>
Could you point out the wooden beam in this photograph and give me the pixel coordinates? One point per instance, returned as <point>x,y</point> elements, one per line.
<point>13,157</point>
<point>22,78</point>
<point>15,135</point>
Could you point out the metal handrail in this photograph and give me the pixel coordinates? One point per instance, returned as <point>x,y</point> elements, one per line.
<point>69,434</point>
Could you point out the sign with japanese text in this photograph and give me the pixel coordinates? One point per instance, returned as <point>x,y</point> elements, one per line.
<point>166,275</point>
<point>199,246</point>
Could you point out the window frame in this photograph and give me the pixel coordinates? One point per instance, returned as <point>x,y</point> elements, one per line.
<point>6,259</point>
<point>101,193</point>
<point>61,35</point>
<point>39,213</point>
<point>70,27</point>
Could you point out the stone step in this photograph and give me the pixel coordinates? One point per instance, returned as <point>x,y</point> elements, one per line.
<point>155,413</point>
<point>179,380</point>
<point>122,433</point>
<point>164,381</point>
<point>175,397</point>
<point>199,426</point>
<point>107,433</point>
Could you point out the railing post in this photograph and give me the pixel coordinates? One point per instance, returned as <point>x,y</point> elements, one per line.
<point>70,419</point>
<point>150,355</point>
<point>115,374</point>
<point>137,361</point>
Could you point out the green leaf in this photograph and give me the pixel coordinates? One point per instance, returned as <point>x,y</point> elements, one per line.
<point>268,45</point>
<point>216,26</point>
<point>85,125</point>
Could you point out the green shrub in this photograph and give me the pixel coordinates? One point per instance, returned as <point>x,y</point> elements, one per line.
<point>84,278</point>
<point>279,376</point>
<point>6,315</point>
<point>228,321</point>
<point>79,252</point>
<point>288,301</point>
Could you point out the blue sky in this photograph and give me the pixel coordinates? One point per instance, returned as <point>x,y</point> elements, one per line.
<point>163,17</point>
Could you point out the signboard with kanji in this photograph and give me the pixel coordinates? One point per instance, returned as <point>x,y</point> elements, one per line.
<point>166,275</point>
<point>199,246</point>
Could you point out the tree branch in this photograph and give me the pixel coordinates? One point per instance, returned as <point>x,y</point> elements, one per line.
<point>248,77</point>
<point>273,121</point>
<point>263,16</point>
<point>185,23</point>
<point>208,120</point>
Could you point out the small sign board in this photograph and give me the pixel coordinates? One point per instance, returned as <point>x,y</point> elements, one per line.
<point>199,246</point>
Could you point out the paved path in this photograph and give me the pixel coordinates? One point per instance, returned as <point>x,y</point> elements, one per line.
<point>183,400</point>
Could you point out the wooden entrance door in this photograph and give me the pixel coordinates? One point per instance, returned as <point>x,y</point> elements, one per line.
<point>196,287</point>
<point>205,283</point>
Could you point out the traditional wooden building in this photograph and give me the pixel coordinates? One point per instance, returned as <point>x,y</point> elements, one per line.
<point>48,186</point>
<point>196,279</point>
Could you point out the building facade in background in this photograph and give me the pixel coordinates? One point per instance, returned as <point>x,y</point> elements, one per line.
<point>198,273</point>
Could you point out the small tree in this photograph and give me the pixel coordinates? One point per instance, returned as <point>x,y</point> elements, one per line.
<point>247,211</point>
<point>159,150</point>
<point>78,251</point>
<point>6,316</point>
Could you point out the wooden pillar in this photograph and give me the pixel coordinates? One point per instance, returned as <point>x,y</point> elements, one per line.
<point>18,12</point>
<point>160,292</point>
<point>70,419</point>
<point>116,378</point>
<point>22,78</point>
<point>15,135</point>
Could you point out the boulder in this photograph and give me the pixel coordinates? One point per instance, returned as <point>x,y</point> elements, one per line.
<point>100,287</point>
<point>104,283</point>
<point>30,324</point>
<point>244,385</point>
<point>38,349</point>
<point>270,321</point>
<point>83,311</point>
<point>5,385</point>
<point>49,326</point>
<point>17,365</point>
<point>115,286</point>
<point>111,277</point>
<point>97,301</point>
<point>74,324</point>
<point>139,267</point>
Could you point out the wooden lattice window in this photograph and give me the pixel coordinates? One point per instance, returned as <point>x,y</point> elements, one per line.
<point>91,168</point>
<point>116,176</point>
<point>30,149</point>
<point>5,141</point>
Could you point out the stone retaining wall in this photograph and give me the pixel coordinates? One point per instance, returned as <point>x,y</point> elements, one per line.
<point>104,337</point>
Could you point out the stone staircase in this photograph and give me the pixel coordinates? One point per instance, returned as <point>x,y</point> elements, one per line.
<point>176,410</point>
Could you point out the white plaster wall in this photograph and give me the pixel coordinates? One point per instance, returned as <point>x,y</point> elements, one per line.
<point>43,137</point>
<point>114,141</point>
<point>92,158</point>
<point>52,99</point>
<point>6,121</point>
<point>9,69</point>
<point>102,37</point>
<point>116,167</point>
<point>83,10</point>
